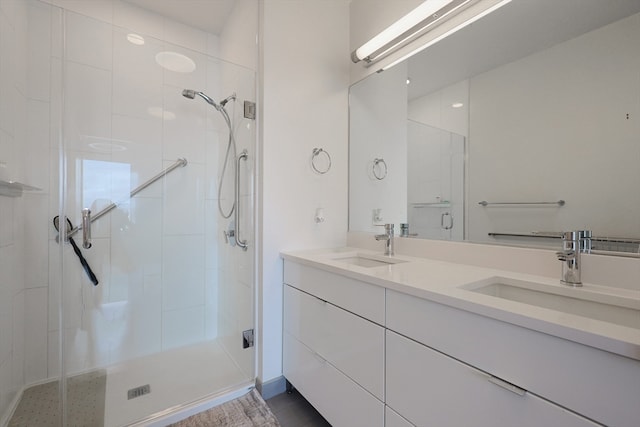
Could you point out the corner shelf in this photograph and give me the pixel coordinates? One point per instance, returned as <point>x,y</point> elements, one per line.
<point>15,189</point>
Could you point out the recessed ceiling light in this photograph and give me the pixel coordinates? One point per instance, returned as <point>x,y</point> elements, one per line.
<point>135,39</point>
<point>408,80</point>
<point>174,61</point>
<point>457,105</point>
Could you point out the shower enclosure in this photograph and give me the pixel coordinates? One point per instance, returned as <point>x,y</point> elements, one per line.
<point>166,322</point>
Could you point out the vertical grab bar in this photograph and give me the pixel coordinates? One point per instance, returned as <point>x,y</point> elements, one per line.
<point>239,242</point>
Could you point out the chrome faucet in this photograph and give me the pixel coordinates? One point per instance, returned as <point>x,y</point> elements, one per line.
<point>573,244</point>
<point>388,238</point>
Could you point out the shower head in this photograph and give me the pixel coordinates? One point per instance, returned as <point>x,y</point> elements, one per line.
<point>191,94</point>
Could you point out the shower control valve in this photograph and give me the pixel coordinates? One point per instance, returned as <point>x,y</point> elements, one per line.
<point>230,234</point>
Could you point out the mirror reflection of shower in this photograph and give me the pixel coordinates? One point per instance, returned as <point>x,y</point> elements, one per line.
<point>231,145</point>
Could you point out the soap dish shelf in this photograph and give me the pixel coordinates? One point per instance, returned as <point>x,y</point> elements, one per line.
<point>15,189</point>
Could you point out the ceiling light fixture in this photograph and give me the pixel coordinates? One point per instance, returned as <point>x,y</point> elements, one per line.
<point>457,105</point>
<point>407,28</point>
<point>458,27</point>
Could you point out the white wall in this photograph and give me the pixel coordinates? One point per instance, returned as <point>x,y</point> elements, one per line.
<point>304,83</point>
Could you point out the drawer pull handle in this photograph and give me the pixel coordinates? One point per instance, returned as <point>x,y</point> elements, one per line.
<point>319,300</point>
<point>508,386</point>
<point>319,357</point>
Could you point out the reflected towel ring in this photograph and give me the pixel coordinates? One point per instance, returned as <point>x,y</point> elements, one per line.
<point>380,175</point>
<point>322,170</point>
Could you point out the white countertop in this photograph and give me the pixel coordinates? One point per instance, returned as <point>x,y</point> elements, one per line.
<point>441,282</point>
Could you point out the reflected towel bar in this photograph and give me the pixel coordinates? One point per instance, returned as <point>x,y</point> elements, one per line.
<point>485,203</point>
<point>539,234</point>
<point>179,163</point>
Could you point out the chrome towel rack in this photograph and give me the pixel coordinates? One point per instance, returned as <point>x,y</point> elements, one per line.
<point>179,163</point>
<point>484,203</point>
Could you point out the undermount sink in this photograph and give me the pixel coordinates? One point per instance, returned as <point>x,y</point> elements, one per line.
<point>607,307</point>
<point>367,261</point>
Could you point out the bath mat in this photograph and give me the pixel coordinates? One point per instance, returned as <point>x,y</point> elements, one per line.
<point>249,410</point>
<point>85,397</point>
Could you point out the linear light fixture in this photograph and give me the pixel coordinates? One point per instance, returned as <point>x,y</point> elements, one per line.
<point>447,33</point>
<point>409,27</point>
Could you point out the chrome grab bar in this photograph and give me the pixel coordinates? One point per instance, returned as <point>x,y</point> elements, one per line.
<point>179,163</point>
<point>241,243</point>
<point>86,228</point>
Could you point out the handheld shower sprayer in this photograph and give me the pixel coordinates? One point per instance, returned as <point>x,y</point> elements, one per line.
<point>231,146</point>
<point>191,94</point>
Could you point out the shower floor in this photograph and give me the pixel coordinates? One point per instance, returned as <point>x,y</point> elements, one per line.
<point>174,377</point>
<point>39,405</point>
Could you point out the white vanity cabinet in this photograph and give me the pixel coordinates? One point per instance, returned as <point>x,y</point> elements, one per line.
<point>334,356</point>
<point>431,389</point>
<point>599,385</point>
<point>366,355</point>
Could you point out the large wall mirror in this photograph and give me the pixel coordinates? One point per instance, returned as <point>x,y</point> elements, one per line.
<point>516,128</point>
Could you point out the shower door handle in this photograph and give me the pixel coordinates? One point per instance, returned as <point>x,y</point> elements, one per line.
<point>86,228</point>
<point>241,243</point>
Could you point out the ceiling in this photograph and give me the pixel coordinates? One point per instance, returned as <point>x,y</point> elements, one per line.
<point>206,15</point>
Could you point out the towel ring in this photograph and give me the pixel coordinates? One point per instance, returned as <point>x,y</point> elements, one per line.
<point>380,175</point>
<point>314,155</point>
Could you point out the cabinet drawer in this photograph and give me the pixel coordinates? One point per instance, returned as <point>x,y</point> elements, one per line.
<point>581,378</point>
<point>432,389</point>
<point>340,400</point>
<point>361,298</point>
<point>352,344</point>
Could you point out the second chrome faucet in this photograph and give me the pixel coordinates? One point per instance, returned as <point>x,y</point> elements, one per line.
<point>573,244</point>
<point>388,238</point>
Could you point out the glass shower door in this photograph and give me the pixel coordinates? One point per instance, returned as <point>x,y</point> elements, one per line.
<point>435,189</point>
<point>167,320</point>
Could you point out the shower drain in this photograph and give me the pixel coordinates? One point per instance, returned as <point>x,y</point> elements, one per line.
<point>138,391</point>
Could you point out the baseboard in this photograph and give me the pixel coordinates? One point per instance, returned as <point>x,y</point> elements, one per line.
<point>272,387</point>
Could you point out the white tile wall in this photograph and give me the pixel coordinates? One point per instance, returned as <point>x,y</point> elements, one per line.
<point>183,272</point>
<point>13,119</point>
<point>182,327</point>
<point>87,106</point>
<point>39,51</point>
<point>88,41</point>
<point>35,328</point>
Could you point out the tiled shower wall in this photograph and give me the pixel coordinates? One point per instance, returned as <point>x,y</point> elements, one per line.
<point>24,117</point>
<point>156,256</point>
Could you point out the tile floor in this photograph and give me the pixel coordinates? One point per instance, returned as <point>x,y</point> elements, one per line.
<point>292,410</point>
